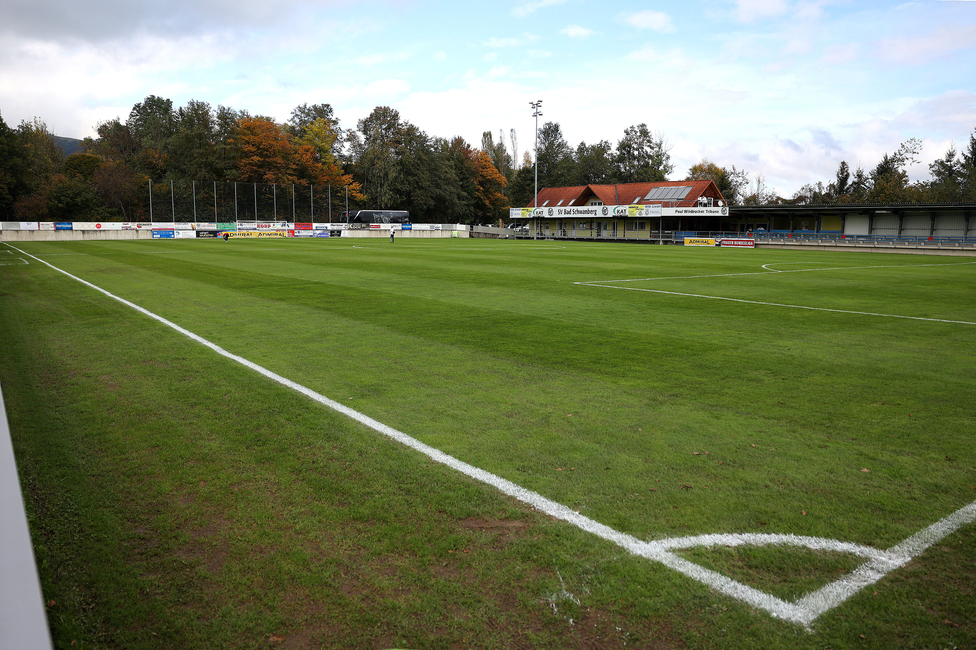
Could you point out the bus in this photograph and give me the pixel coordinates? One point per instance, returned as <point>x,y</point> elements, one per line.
<point>375,216</point>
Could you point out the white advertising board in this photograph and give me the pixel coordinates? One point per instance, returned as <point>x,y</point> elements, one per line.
<point>98,225</point>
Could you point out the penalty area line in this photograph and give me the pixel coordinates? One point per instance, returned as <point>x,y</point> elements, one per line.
<point>776,304</point>
<point>802,612</point>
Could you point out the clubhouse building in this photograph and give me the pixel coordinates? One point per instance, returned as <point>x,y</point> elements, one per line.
<point>636,211</point>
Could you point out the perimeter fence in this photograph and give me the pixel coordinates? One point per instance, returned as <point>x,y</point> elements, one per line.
<point>182,201</point>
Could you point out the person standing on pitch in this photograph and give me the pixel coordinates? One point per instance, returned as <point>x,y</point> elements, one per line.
<point>392,232</point>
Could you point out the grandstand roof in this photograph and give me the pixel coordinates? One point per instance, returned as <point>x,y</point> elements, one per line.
<point>668,193</point>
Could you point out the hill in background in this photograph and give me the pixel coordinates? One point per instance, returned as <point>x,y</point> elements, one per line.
<point>70,145</point>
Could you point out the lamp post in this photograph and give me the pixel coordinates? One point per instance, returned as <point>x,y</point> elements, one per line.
<point>536,112</point>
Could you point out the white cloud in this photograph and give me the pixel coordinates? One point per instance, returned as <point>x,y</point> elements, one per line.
<point>841,54</point>
<point>531,7</point>
<point>575,31</point>
<point>381,58</point>
<point>386,88</point>
<point>648,19</point>
<point>748,11</point>
<point>502,42</point>
<point>940,42</point>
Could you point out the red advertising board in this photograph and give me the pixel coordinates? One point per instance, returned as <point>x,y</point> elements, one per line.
<point>303,226</point>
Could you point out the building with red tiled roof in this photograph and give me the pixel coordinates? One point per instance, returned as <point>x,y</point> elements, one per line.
<point>672,194</point>
<point>636,211</point>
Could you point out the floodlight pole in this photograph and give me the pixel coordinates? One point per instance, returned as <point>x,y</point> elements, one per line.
<point>536,112</point>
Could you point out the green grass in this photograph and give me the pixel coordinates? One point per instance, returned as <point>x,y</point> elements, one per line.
<point>179,500</point>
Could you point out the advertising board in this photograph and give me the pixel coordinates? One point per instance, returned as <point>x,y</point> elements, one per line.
<point>163,234</point>
<point>737,243</point>
<point>263,233</point>
<point>699,241</point>
<point>97,225</point>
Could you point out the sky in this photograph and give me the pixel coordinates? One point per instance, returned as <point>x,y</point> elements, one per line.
<point>785,89</point>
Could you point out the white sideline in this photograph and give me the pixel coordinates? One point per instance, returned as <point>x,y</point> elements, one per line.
<point>802,612</point>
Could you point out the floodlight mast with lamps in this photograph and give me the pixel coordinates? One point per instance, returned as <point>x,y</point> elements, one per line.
<point>536,112</point>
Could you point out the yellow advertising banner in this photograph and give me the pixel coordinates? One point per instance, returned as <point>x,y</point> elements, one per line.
<point>259,233</point>
<point>699,241</point>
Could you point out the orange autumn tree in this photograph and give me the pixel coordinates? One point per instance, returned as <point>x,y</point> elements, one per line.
<point>269,154</point>
<point>316,162</point>
<point>490,184</point>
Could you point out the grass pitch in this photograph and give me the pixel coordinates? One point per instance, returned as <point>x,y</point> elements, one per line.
<point>179,499</point>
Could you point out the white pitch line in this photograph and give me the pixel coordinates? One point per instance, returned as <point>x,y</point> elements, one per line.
<point>769,271</point>
<point>803,612</point>
<point>777,304</point>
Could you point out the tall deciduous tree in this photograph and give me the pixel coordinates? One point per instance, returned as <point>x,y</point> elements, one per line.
<point>119,187</point>
<point>889,179</point>
<point>731,182</point>
<point>642,157</point>
<point>947,177</point>
<point>593,163</point>
<point>267,155</point>
<point>193,147</point>
<point>13,169</point>
<point>43,155</point>
<point>552,156</point>
<point>374,148</point>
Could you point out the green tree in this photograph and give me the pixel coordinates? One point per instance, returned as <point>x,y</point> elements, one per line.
<point>554,156</point>
<point>71,199</point>
<point>192,148</point>
<point>842,179</point>
<point>153,122</point>
<point>497,152</point>
<point>642,157</point>
<point>430,182</point>
<point>43,155</point>
<point>375,149</point>
<point>13,170</point>
<point>731,182</point>
<point>594,164</point>
<point>82,165</point>
<point>115,141</point>
<point>889,179</point>
<point>947,177</point>
<point>119,187</point>
<point>305,115</point>
<point>968,170</point>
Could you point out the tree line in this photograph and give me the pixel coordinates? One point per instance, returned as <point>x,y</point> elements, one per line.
<point>387,162</point>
